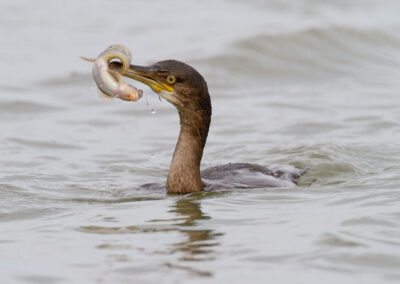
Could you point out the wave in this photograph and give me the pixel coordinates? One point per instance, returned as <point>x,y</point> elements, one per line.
<point>24,107</point>
<point>316,53</point>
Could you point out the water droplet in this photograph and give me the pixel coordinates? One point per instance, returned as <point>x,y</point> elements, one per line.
<point>152,156</point>
<point>92,88</point>
<point>160,98</point>
<point>153,111</point>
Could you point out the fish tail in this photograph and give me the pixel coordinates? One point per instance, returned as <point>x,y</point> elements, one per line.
<point>87,59</point>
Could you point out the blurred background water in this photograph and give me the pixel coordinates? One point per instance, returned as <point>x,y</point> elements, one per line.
<point>304,83</point>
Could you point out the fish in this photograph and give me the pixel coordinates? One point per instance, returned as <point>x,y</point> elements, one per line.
<point>109,82</point>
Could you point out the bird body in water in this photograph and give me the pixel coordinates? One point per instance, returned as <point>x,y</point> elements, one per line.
<point>186,89</point>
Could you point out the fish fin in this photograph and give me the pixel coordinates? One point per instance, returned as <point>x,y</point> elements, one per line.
<point>104,96</point>
<point>87,59</point>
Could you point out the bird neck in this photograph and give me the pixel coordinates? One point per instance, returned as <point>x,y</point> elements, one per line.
<point>184,173</point>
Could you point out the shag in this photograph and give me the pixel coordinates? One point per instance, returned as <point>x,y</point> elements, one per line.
<point>186,89</point>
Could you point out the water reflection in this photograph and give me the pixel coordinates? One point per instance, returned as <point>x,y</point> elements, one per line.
<point>186,218</point>
<point>200,241</point>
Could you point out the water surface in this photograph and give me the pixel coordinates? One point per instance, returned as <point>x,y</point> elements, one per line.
<point>301,83</point>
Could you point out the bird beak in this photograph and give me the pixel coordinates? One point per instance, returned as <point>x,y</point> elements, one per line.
<point>148,75</point>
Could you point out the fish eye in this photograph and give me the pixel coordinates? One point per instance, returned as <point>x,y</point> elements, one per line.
<point>171,79</point>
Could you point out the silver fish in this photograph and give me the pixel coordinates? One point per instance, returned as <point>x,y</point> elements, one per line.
<point>109,82</point>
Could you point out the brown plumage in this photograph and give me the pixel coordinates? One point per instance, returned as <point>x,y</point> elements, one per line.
<point>187,90</point>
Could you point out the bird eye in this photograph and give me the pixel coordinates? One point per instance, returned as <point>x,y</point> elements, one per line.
<point>171,79</point>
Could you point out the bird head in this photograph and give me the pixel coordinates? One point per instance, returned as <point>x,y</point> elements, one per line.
<point>175,81</point>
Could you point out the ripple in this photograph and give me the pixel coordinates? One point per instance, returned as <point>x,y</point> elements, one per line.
<point>44,144</point>
<point>113,201</point>
<point>28,214</point>
<point>125,230</point>
<point>372,260</point>
<point>368,221</point>
<point>32,278</point>
<point>23,107</point>
<point>333,240</point>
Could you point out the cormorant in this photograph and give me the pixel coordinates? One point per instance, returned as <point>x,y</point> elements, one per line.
<point>186,89</point>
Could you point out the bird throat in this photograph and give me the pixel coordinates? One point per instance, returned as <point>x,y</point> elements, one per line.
<point>184,174</point>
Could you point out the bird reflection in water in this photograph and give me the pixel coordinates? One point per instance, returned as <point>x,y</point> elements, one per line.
<point>199,243</point>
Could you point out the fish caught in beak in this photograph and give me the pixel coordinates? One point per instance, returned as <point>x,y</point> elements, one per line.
<point>109,82</point>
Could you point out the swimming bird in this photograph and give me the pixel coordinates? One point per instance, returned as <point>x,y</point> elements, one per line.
<point>185,88</point>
